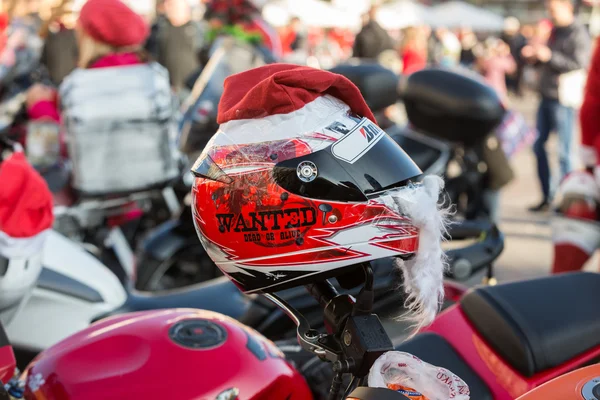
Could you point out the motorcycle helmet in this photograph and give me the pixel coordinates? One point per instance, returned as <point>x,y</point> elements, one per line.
<point>299,184</point>
<point>165,354</point>
<point>576,225</point>
<point>25,218</point>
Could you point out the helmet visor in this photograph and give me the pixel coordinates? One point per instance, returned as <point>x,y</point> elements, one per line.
<point>362,163</point>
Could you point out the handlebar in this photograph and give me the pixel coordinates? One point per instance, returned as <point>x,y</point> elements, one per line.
<point>465,261</point>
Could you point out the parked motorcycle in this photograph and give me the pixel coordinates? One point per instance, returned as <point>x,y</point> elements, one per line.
<point>447,131</point>
<point>509,351</point>
<point>108,359</point>
<point>507,339</point>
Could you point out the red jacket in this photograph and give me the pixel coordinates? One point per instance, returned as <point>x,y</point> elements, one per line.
<point>47,109</point>
<point>413,60</point>
<point>590,115</point>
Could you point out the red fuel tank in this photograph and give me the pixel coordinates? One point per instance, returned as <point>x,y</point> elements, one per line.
<point>179,354</point>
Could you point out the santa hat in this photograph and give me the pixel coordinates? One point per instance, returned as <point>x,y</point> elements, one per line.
<point>113,22</point>
<point>283,89</point>
<point>25,208</point>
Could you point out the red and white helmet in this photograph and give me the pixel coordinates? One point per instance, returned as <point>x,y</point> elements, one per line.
<point>299,184</point>
<point>25,218</point>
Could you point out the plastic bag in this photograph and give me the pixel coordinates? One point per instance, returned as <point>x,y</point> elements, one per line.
<point>416,379</point>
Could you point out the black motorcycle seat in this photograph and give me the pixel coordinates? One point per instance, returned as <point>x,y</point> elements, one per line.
<point>538,324</point>
<point>218,295</point>
<point>435,350</point>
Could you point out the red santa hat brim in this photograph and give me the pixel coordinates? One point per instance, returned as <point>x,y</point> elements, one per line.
<point>25,208</point>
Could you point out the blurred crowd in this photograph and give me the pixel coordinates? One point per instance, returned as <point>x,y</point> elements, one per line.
<point>181,29</point>
<point>546,56</point>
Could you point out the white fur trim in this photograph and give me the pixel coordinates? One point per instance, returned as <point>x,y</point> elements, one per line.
<point>313,117</point>
<point>424,274</point>
<point>581,183</point>
<point>11,247</point>
<point>576,232</point>
<point>588,155</point>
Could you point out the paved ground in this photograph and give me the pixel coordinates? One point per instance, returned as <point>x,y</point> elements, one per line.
<point>528,247</point>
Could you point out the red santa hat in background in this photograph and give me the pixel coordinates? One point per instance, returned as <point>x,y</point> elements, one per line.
<point>25,208</point>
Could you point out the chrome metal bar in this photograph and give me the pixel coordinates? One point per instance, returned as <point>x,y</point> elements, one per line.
<point>307,337</point>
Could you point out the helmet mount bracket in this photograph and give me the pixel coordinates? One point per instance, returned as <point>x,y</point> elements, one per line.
<point>355,338</point>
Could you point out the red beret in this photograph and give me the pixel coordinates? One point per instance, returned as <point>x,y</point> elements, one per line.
<point>113,22</point>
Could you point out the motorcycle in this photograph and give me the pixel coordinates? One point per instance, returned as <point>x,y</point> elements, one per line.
<point>75,289</point>
<point>145,342</point>
<point>447,131</point>
<point>507,339</point>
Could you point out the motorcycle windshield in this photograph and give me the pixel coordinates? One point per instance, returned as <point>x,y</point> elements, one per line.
<point>226,57</point>
<point>425,152</point>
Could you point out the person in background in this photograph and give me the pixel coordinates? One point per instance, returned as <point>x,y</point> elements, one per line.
<point>292,36</point>
<point>60,54</point>
<point>372,40</point>
<point>541,34</point>
<point>175,40</point>
<point>469,44</point>
<point>26,10</point>
<point>413,50</point>
<point>576,234</point>
<point>109,35</point>
<point>243,19</point>
<point>328,51</point>
<point>449,48</point>
<point>4,21</point>
<point>567,50</point>
<point>516,41</point>
<point>496,64</point>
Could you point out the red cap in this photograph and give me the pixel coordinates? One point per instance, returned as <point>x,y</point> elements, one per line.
<point>113,22</point>
<point>282,89</point>
<point>25,200</point>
